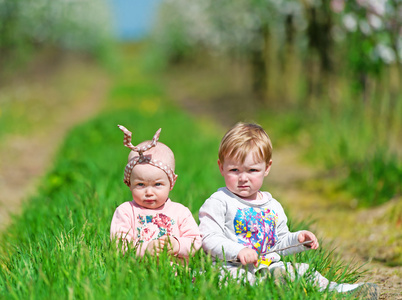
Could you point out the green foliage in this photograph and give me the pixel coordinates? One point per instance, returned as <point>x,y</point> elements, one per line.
<point>349,140</point>
<point>68,25</point>
<point>374,179</point>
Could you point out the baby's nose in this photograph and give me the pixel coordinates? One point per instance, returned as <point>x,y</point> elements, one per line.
<point>148,191</point>
<point>242,176</point>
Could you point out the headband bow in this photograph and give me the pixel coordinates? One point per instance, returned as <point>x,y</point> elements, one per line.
<point>143,159</point>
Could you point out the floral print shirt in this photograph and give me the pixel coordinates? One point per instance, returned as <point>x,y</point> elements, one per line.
<point>140,226</point>
<point>228,224</point>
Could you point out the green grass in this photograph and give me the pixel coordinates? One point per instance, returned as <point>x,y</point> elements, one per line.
<point>59,246</point>
<point>363,143</point>
<point>353,142</point>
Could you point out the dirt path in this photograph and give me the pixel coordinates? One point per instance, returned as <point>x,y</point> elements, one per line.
<point>74,91</point>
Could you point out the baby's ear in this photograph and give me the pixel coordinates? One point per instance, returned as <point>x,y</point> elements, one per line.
<point>174,181</point>
<point>220,165</point>
<point>268,168</point>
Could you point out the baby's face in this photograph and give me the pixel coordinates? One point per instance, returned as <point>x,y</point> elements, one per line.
<point>244,179</point>
<point>150,186</point>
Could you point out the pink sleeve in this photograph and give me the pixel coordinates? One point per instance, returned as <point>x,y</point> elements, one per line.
<point>123,226</point>
<point>190,238</point>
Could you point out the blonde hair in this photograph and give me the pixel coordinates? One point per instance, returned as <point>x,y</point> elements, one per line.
<point>245,138</point>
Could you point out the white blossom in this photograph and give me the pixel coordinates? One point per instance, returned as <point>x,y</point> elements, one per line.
<point>385,53</point>
<point>374,21</point>
<point>375,6</point>
<point>350,22</point>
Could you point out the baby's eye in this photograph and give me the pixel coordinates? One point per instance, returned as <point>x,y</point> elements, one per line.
<point>234,170</point>
<point>158,184</point>
<point>253,170</point>
<point>140,184</point>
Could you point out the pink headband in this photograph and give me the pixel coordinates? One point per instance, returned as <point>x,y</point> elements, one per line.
<point>143,159</point>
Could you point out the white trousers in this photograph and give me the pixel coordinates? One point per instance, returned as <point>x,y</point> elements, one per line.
<point>299,269</point>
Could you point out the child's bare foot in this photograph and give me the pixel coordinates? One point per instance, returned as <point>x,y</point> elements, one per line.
<point>279,276</point>
<point>369,291</point>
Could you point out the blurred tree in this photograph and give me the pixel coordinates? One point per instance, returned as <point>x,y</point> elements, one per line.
<point>320,42</point>
<point>372,31</point>
<point>10,28</point>
<point>359,37</point>
<point>71,25</point>
<point>238,28</point>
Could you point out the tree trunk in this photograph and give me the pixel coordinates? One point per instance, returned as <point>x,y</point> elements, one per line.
<point>320,43</point>
<point>259,58</point>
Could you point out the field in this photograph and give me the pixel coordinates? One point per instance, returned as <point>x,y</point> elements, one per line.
<point>60,245</point>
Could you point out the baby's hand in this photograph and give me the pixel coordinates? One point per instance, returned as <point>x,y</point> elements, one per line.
<point>154,247</point>
<point>308,236</point>
<point>157,246</point>
<point>171,244</point>
<point>248,256</point>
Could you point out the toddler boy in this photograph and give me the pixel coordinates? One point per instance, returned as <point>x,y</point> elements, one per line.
<point>240,224</point>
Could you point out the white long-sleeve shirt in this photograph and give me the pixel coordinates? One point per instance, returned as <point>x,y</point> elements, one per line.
<point>228,224</point>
